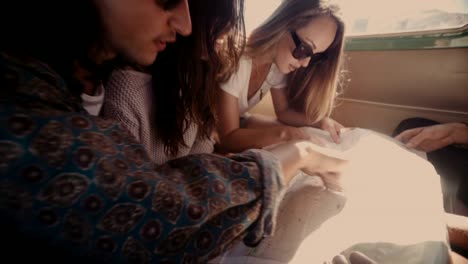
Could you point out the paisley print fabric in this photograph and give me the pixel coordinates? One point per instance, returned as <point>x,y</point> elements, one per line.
<point>83,185</point>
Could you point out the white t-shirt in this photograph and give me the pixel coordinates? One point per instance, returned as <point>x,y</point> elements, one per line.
<point>238,84</point>
<point>93,103</point>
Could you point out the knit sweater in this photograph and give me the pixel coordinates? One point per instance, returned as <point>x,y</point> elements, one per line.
<point>128,100</point>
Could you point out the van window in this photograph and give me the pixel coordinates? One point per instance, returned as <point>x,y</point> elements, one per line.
<point>257,11</point>
<point>365,17</point>
<point>370,17</point>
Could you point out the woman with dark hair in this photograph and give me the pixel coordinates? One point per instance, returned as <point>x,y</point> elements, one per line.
<point>75,187</point>
<point>179,121</point>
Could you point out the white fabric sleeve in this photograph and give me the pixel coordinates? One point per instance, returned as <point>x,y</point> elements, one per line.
<point>237,82</point>
<point>276,79</point>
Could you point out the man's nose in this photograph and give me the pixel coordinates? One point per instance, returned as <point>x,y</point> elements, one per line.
<point>181,21</point>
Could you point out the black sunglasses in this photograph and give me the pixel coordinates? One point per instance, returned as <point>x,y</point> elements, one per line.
<point>302,50</point>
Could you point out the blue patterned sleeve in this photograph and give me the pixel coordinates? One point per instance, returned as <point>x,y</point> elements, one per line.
<point>84,185</point>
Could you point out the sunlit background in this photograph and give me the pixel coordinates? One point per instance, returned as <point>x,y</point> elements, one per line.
<point>399,205</point>
<point>380,16</point>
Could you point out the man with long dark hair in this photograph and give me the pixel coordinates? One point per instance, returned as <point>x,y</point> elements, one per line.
<point>75,188</point>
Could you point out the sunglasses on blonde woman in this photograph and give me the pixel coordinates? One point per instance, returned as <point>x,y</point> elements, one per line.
<point>303,50</point>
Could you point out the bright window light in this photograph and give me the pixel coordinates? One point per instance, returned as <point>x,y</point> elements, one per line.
<point>364,17</point>
<point>380,17</point>
<point>257,11</point>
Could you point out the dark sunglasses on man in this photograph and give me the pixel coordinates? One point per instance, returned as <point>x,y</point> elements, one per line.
<point>302,50</point>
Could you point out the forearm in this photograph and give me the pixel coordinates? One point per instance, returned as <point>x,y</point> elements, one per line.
<point>292,156</point>
<point>294,118</point>
<point>460,135</point>
<point>248,138</point>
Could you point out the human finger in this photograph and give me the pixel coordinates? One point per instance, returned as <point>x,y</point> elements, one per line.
<point>334,134</point>
<point>416,141</point>
<point>357,257</point>
<point>408,134</point>
<point>339,259</point>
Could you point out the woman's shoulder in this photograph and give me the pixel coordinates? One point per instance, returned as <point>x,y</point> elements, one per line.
<point>130,76</point>
<point>238,79</point>
<point>245,65</point>
<point>275,77</point>
<point>127,81</point>
<point>127,94</point>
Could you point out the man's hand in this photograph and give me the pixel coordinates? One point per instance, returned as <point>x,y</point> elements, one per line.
<point>327,164</point>
<point>355,257</point>
<point>435,137</point>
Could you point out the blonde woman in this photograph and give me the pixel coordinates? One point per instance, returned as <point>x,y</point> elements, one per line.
<point>296,53</point>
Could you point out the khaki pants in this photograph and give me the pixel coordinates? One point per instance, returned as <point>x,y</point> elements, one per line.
<point>305,207</point>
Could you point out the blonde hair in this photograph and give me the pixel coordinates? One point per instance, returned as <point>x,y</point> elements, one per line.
<point>312,89</point>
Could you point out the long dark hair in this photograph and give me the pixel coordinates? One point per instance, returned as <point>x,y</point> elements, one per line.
<point>187,73</point>
<point>56,32</point>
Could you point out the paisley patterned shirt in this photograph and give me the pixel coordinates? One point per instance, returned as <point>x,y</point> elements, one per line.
<point>83,185</point>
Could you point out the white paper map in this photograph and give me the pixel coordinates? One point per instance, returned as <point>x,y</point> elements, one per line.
<point>393,213</point>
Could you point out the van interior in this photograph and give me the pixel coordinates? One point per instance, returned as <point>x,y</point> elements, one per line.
<point>403,59</point>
